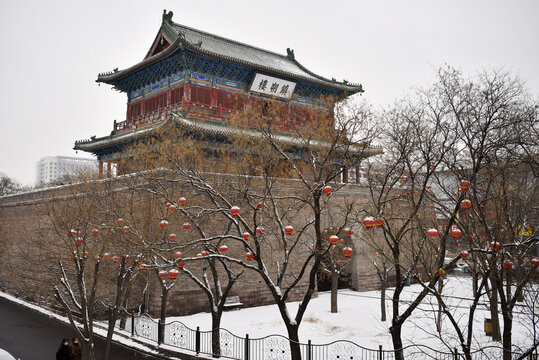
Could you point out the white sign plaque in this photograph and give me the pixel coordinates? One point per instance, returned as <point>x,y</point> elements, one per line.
<point>273,86</point>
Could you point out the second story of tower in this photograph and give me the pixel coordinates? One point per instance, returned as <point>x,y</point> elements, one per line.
<point>212,77</point>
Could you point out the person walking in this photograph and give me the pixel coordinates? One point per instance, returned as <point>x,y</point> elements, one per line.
<point>63,352</point>
<point>75,349</point>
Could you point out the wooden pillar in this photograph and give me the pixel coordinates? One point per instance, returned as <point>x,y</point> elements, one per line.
<point>101,169</point>
<point>109,168</point>
<point>345,174</point>
<point>358,176</point>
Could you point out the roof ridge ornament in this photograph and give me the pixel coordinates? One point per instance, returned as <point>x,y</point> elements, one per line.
<point>290,53</point>
<point>167,17</point>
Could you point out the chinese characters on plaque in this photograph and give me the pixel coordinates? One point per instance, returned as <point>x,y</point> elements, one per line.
<point>270,85</point>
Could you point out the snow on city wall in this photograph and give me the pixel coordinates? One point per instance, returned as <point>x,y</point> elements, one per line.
<point>29,273</point>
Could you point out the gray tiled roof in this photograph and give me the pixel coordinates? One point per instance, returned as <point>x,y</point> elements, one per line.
<point>230,50</point>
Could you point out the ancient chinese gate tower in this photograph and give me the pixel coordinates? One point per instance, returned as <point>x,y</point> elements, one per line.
<point>208,77</point>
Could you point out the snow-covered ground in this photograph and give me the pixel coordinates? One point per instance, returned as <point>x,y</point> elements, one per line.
<point>358,319</point>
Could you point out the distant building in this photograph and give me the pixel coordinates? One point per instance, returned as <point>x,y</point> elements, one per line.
<point>52,168</point>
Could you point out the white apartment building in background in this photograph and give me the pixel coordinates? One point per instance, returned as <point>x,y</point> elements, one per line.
<point>52,168</point>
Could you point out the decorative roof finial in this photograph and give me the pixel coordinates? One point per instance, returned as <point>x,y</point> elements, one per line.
<point>290,53</point>
<point>167,16</point>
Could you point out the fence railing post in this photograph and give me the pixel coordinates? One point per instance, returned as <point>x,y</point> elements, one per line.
<point>380,353</point>
<point>456,354</point>
<point>246,352</point>
<point>197,340</point>
<point>309,350</point>
<point>132,323</point>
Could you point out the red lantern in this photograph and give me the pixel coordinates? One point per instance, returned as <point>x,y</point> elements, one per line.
<point>78,240</point>
<point>186,226</point>
<point>162,274</point>
<point>456,233</point>
<point>465,204</point>
<point>223,248</point>
<point>120,221</point>
<point>178,254</point>
<point>402,179</point>
<point>172,237</point>
<point>125,229</point>
<point>73,232</point>
<point>199,255</point>
<point>163,224</point>
<point>429,187</point>
<point>181,264</point>
<point>204,253</point>
<point>453,175</point>
<point>368,222</point>
<point>333,239</point>
<point>182,201</point>
<point>246,235</point>
<point>115,258</point>
<point>173,274</point>
<point>535,262</point>
<point>346,230</point>
<point>495,246</point>
<point>234,211</point>
<point>106,256</point>
<point>327,190</point>
<point>464,185</point>
<point>507,265</point>
<point>259,230</point>
<point>347,252</point>
<point>432,232</point>
<point>95,232</point>
<point>464,255</point>
<point>171,207</point>
<point>261,205</point>
<point>288,230</point>
<point>249,256</point>
<point>379,222</point>
<point>143,267</point>
<point>168,205</point>
<point>387,187</point>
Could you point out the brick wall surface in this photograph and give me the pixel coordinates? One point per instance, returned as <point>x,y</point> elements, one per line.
<point>30,273</point>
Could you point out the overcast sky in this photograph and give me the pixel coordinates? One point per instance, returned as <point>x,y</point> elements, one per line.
<point>52,51</point>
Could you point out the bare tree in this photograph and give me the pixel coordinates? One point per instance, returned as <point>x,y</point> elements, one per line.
<point>454,132</point>
<point>275,214</point>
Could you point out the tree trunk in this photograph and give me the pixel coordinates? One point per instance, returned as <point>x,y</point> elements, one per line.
<point>110,332</point>
<point>439,316</point>
<point>395,331</point>
<point>493,300</point>
<point>124,314</point>
<point>474,281</point>
<point>507,334</point>
<point>295,351</point>
<point>334,288</point>
<point>90,348</point>
<point>163,314</point>
<point>215,334</point>
<point>383,300</point>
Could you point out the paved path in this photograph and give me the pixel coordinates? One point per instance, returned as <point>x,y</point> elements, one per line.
<point>29,335</point>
